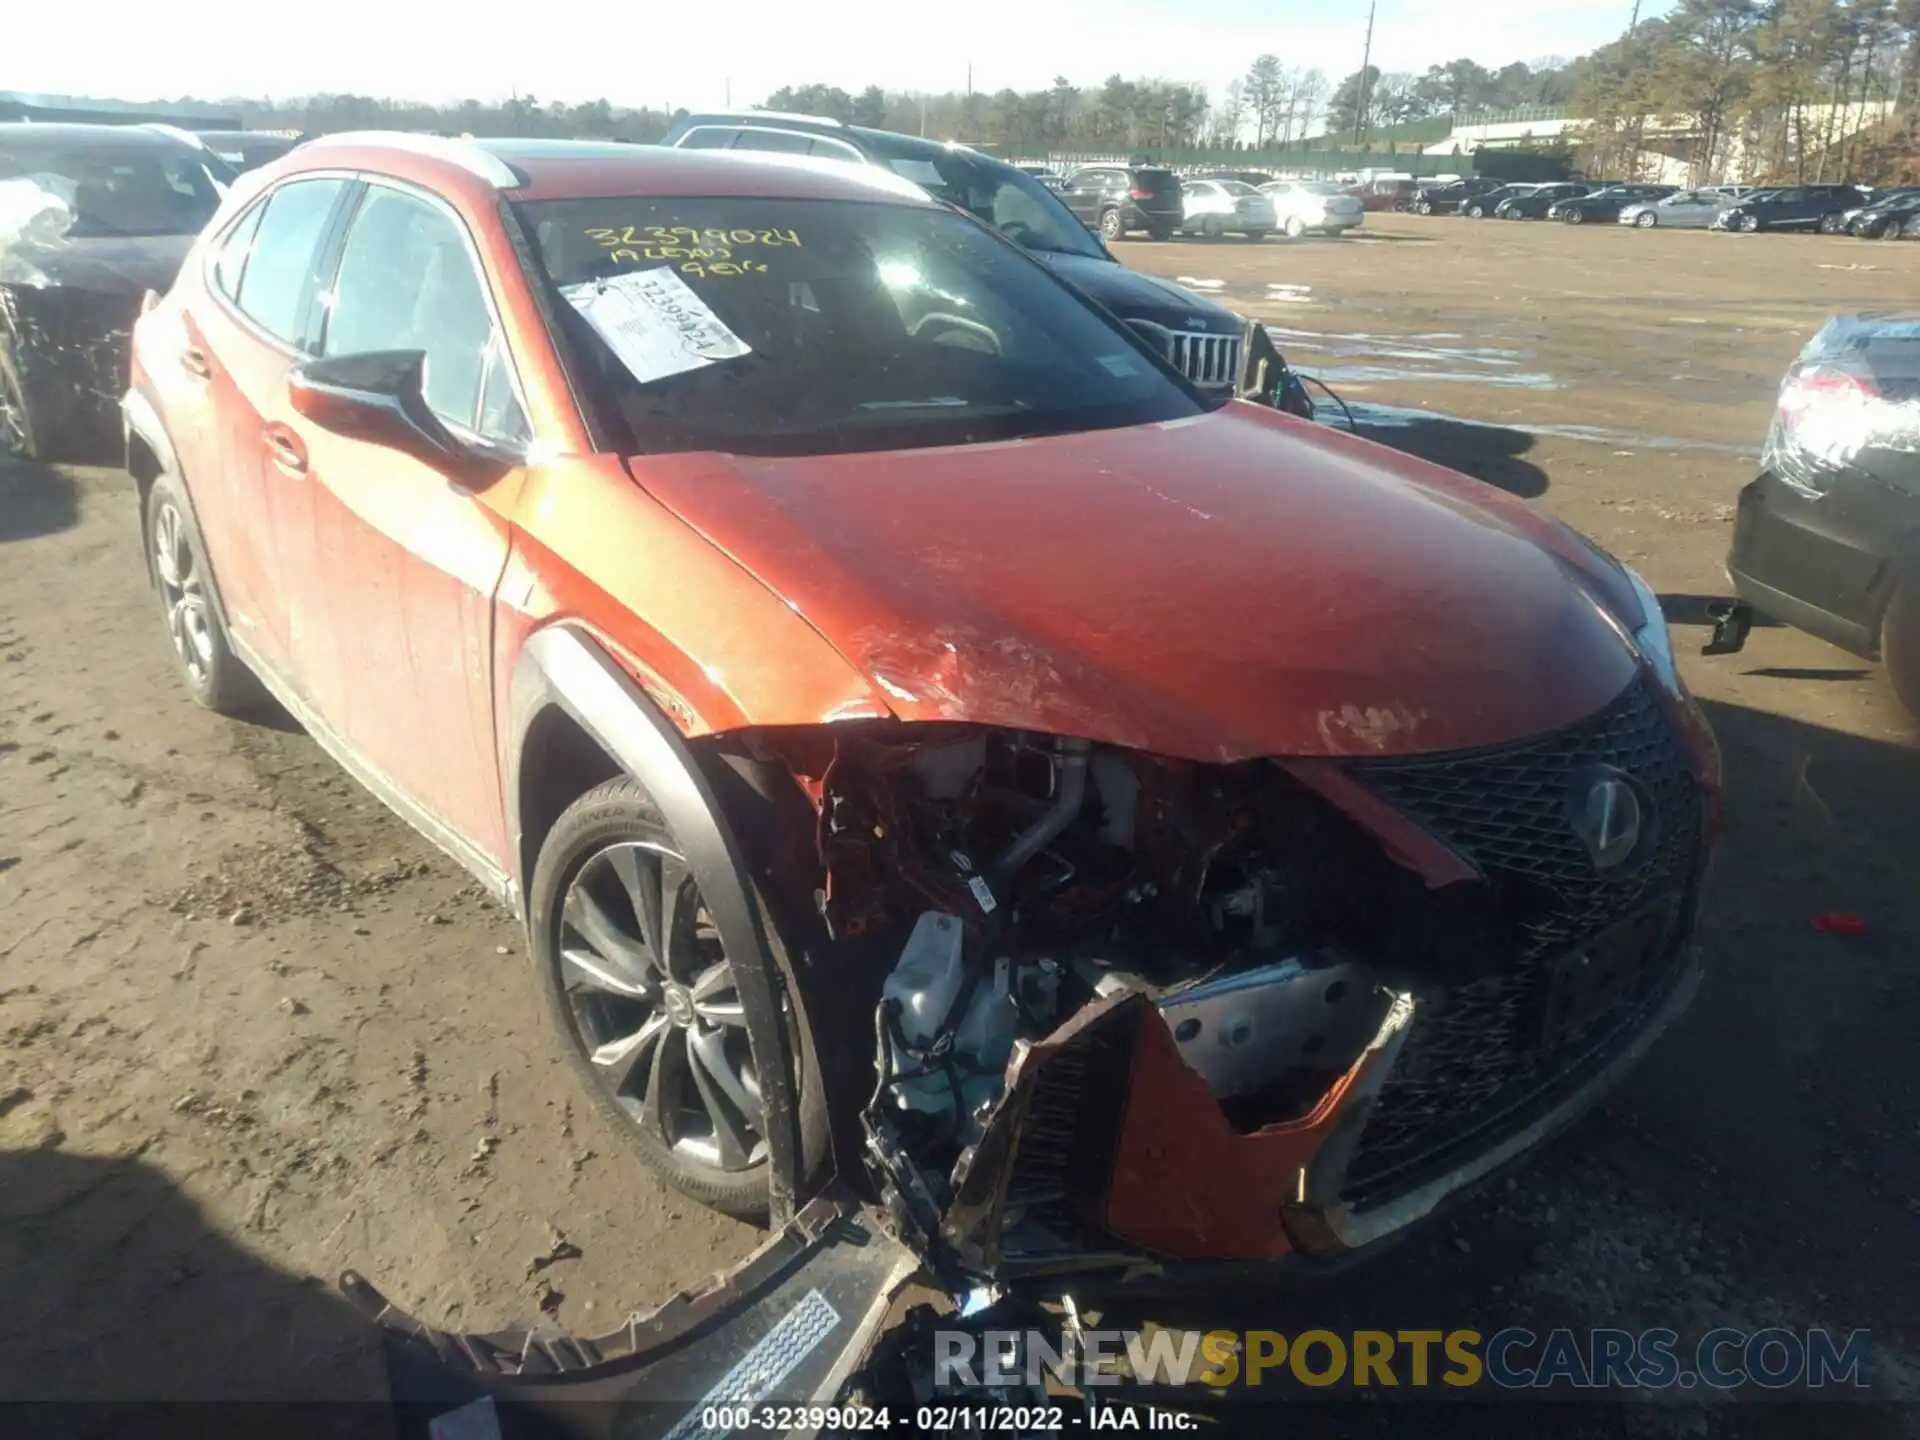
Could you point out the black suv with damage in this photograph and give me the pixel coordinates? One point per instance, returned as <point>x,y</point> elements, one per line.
<point>91,218</point>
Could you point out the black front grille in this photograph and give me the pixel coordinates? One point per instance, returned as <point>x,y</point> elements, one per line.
<point>1480,1060</point>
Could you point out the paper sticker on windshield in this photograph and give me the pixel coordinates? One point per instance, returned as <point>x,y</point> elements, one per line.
<point>1118,366</point>
<point>655,323</point>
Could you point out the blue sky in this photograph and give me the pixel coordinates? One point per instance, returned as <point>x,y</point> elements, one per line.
<point>645,52</point>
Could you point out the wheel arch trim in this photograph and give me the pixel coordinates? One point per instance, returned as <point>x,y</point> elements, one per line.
<point>140,420</point>
<point>560,666</point>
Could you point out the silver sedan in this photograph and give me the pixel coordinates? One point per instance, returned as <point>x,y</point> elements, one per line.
<point>1687,210</point>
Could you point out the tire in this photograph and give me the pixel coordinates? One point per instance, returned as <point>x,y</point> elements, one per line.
<point>1295,227</point>
<point>202,650</point>
<point>609,846</point>
<point>1575,217</point>
<point>18,438</point>
<point>1900,643</point>
<point>1748,225</point>
<point>1425,207</point>
<point>1212,227</point>
<point>1832,224</point>
<point>1645,220</point>
<point>1110,226</point>
<point>1162,233</point>
<point>1476,212</point>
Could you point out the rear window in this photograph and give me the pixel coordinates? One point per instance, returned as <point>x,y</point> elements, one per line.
<point>799,327</point>
<point>1159,182</point>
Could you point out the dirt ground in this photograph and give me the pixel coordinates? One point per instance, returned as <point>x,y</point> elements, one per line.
<point>255,1032</point>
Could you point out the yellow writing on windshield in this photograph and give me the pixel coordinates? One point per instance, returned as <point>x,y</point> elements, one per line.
<point>687,236</point>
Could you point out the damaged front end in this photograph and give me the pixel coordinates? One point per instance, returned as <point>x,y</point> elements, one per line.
<point>1137,1020</point>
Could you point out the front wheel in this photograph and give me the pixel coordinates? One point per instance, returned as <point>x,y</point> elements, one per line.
<point>1646,220</point>
<point>1575,217</point>
<point>1476,212</point>
<point>1747,225</point>
<point>1295,227</point>
<point>642,994</point>
<point>1832,224</point>
<point>1110,226</point>
<point>1425,207</point>
<point>202,650</point>
<point>1211,228</point>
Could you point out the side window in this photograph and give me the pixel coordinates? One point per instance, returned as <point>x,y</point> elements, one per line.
<point>282,268</point>
<point>231,261</point>
<point>407,282</point>
<point>781,142</point>
<point>708,137</point>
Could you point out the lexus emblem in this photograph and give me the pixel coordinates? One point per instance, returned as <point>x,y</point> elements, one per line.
<point>1608,816</point>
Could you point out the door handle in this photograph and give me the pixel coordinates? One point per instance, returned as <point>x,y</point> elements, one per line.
<point>194,362</point>
<point>289,455</point>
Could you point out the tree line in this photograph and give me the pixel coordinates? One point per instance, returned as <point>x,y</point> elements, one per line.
<point>1271,104</point>
<point>1739,89</point>
<point>1774,90</point>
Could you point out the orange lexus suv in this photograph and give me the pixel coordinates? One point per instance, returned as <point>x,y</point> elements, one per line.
<point>938,753</point>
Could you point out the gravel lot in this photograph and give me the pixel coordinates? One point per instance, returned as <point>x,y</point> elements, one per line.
<point>256,1032</point>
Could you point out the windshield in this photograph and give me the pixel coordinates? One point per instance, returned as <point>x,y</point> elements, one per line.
<point>1236,187</point>
<point>1319,187</point>
<point>812,327</point>
<point>1010,200</point>
<point>119,189</point>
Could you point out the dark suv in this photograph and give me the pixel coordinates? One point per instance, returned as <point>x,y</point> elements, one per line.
<point>1204,340</point>
<point>1791,207</point>
<point>1118,200</point>
<point>1450,199</point>
<point>105,214</point>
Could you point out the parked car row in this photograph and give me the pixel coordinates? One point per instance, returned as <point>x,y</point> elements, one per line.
<point>1829,209</point>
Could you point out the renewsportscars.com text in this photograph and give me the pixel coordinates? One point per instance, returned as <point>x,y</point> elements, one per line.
<point>1509,1359</point>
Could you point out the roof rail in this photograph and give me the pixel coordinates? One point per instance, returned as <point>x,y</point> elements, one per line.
<point>767,115</point>
<point>464,153</point>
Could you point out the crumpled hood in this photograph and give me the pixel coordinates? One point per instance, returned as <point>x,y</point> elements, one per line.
<point>1133,296</point>
<point>1217,588</point>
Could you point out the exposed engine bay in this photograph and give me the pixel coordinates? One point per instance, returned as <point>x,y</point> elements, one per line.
<point>1016,878</point>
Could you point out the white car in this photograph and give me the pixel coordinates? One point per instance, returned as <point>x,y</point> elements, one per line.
<point>1214,207</point>
<point>1303,205</point>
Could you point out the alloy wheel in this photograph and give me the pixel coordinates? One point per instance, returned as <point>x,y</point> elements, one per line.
<point>655,1006</point>
<point>1646,220</point>
<point>184,593</point>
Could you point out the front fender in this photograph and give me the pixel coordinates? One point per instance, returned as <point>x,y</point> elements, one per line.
<point>561,666</point>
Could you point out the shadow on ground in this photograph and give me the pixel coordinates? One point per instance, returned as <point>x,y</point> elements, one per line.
<point>35,500</point>
<point>1487,452</point>
<point>126,1311</point>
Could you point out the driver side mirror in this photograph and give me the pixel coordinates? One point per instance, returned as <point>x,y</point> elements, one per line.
<point>380,398</point>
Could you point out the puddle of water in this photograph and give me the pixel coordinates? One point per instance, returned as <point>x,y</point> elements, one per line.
<point>1370,415</point>
<point>1387,374</point>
